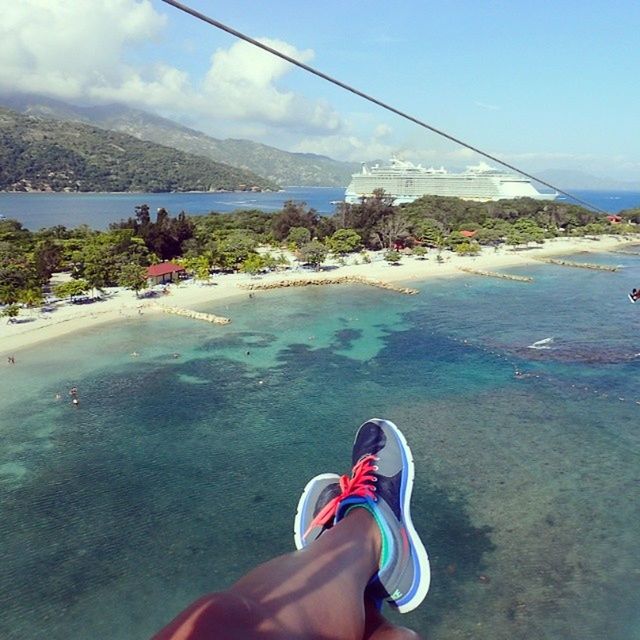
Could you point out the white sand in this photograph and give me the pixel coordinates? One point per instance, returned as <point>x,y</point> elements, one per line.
<point>121,304</point>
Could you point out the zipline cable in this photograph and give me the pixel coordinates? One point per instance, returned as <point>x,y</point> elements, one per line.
<point>346,87</point>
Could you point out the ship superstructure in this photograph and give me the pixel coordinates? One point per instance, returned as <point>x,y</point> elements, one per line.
<point>406,182</point>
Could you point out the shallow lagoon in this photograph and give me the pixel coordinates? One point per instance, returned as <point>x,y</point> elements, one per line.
<point>178,474</point>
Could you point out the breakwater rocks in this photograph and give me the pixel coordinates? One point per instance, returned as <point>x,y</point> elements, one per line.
<point>306,282</point>
<point>495,274</point>
<point>580,265</point>
<point>626,252</point>
<point>196,315</point>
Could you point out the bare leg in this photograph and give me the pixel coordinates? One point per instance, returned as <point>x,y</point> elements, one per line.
<point>377,627</point>
<point>316,593</point>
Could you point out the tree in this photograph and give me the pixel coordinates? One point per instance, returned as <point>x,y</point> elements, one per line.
<point>392,257</point>
<point>467,248</point>
<point>103,255</point>
<point>134,277</point>
<point>294,214</point>
<point>298,236</point>
<point>253,265</point>
<point>47,258</point>
<point>199,267</point>
<point>31,297</point>
<point>391,227</point>
<point>313,253</point>
<point>529,230</point>
<point>344,241</point>
<point>514,238</point>
<point>11,312</point>
<point>420,252</point>
<point>364,217</point>
<point>429,232</point>
<point>71,288</point>
<point>235,249</point>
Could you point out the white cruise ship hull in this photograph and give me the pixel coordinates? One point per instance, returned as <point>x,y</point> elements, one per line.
<point>405,183</point>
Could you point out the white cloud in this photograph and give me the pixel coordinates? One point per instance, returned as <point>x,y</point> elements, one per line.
<point>76,51</point>
<point>69,49</point>
<point>243,84</point>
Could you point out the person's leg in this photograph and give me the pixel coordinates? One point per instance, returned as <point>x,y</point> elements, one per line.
<point>377,627</point>
<point>316,593</point>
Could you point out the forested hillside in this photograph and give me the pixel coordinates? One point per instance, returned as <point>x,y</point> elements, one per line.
<point>283,167</point>
<point>38,154</point>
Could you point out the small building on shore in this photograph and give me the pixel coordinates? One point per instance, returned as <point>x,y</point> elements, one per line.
<point>164,272</point>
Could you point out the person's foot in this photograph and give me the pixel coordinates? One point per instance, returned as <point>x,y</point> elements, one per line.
<point>316,495</point>
<point>381,481</point>
<point>318,492</point>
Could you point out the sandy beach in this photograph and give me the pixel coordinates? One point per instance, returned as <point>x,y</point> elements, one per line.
<point>36,327</point>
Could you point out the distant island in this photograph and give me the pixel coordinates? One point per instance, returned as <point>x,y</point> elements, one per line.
<point>40,154</point>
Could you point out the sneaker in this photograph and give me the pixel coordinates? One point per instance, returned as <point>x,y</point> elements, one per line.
<point>316,496</point>
<point>381,482</point>
<point>318,492</point>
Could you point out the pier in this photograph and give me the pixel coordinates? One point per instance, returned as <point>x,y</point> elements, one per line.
<point>495,274</point>
<point>305,282</point>
<point>195,315</point>
<point>579,265</point>
<point>626,252</point>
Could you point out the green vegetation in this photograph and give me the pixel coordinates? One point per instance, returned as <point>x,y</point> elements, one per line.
<point>283,167</point>
<point>230,242</point>
<point>37,154</point>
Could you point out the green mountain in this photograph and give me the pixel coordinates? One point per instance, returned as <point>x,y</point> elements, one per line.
<point>39,154</point>
<point>282,167</point>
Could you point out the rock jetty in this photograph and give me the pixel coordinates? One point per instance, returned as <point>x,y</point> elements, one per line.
<point>579,265</point>
<point>495,274</point>
<point>195,315</point>
<point>306,282</point>
<point>626,252</point>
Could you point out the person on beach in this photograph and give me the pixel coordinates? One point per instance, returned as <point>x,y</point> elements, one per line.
<point>356,548</point>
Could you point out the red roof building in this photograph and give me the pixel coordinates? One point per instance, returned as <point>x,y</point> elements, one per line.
<point>164,272</point>
<point>467,234</point>
<point>614,219</point>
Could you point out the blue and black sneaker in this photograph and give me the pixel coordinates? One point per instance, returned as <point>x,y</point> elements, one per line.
<point>381,481</point>
<point>318,492</point>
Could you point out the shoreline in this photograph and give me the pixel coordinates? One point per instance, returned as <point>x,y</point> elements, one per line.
<point>123,304</point>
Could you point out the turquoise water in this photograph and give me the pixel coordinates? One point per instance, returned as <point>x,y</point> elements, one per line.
<point>182,467</point>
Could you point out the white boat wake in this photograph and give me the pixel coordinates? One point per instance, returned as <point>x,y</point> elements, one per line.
<point>542,344</point>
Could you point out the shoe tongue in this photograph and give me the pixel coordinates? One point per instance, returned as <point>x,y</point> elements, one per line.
<point>326,495</point>
<point>371,439</point>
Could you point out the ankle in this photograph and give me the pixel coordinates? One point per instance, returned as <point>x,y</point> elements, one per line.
<point>363,520</point>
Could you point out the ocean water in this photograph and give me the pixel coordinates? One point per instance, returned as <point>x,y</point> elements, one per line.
<point>38,210</point>
<point>182,467</point>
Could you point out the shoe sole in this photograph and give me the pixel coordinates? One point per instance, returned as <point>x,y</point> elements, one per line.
<point>410,601</point>
<point>302,504</point>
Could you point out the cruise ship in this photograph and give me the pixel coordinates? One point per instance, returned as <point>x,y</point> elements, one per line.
<point>406,182</point>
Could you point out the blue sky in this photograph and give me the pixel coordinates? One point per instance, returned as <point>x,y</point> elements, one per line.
<point>542,85</point>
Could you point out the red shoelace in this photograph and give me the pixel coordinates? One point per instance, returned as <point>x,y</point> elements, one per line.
<point>359,483</point>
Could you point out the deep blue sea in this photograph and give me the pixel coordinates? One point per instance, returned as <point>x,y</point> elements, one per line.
<point>177,475</point>
<point>37,210</point>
